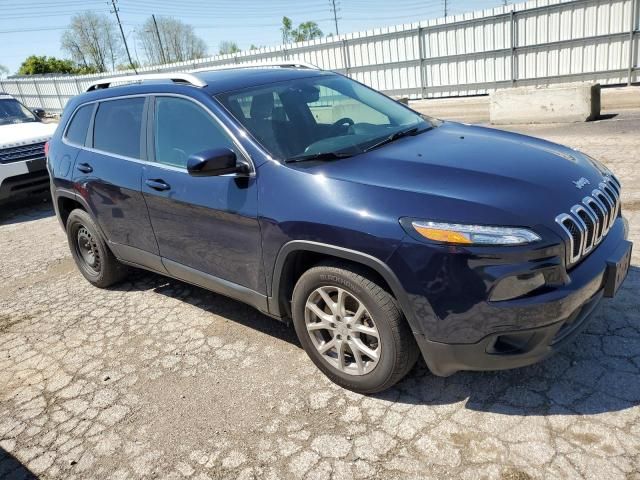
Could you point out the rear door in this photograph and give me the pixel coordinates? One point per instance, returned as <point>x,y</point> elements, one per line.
<point>108,175</point>
<point>207,224</point>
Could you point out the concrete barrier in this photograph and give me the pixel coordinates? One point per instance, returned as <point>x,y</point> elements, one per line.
<point>575,102</point>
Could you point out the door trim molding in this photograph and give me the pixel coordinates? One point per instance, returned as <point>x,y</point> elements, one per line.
<point>216,284</point>
<point>137,257</point>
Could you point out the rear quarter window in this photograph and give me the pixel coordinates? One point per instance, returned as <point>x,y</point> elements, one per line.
<point>117,127</point>
<point>79,125</point>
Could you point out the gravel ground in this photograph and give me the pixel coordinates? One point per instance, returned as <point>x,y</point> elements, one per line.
<point>156,378</point>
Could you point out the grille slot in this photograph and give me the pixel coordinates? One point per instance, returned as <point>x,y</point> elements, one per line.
<point>590,226</point>
<point>600,215</point>
<point>22,153</point>
<point>588,222</point>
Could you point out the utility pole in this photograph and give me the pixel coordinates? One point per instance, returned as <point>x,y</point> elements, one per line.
<point>155,24</point>
<point>124,39</point>
<point>445,8</point>
<point>335,15</point>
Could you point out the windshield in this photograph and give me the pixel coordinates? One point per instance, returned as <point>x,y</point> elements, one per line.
<point>324,117</point>
<point>12,111</point>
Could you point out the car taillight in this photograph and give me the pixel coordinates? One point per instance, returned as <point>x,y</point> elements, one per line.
<point>46,149</point>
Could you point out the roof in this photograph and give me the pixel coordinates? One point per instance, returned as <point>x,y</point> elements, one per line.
<point>219,81</point>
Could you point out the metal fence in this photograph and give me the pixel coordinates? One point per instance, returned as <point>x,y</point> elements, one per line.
<point>534,43</point>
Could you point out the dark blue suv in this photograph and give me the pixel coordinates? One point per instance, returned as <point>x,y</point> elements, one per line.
<point>380,233</point>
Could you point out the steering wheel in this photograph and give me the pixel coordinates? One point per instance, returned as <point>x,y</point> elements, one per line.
<point>344,121</point>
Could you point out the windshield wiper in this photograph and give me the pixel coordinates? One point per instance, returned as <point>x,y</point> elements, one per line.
<point>397,135</point>
<point>318,156</point>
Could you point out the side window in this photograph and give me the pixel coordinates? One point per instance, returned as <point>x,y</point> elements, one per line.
<point>183,128</point>
<point>77,130</point>
<point>117,126</point>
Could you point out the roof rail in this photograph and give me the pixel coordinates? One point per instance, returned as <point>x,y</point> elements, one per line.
<point>177,77</point>
<point>289,64</point>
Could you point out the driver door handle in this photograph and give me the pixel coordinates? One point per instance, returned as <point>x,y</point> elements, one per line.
<point>84,167</point>
<point>157,184</point>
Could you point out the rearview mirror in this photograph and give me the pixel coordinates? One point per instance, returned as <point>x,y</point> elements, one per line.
<point>217,161</point>
<point>38,112</point>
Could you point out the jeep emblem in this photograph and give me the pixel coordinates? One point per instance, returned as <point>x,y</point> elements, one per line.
<point>581,182</point>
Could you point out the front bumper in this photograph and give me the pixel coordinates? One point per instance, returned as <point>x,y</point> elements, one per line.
<point>514,333</point>
<point>506,350</point>
<point>23,178</point>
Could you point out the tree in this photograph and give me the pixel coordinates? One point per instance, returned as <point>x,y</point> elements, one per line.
<point>93,41</point>
<point>286,29</point>
<point>34,65</point>
<point>226,47</point>
<point>127,66</point>
<point>173,41</point>
<point>3,71</point>
<point>305,31</point>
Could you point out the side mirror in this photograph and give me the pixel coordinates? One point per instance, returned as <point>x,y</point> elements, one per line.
<point>38,112</point>
<point>217,161</point>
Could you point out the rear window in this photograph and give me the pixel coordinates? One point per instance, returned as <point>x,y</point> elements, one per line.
<point>77,130</point>
<point>117,126</point>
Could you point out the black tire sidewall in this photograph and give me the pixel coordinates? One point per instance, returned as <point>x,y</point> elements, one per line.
<point>76,220</point>
<point>381,374</point>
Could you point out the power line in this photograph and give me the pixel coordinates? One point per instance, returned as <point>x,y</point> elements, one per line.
<point>155,24</point>
<point>124,39</point>
<point>335,15</point>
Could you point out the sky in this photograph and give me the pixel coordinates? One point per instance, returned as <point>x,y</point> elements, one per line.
<point>34,27</point>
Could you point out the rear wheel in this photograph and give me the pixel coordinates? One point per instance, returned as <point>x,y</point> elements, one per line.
<point>352,328</point>
<point>90,252</point>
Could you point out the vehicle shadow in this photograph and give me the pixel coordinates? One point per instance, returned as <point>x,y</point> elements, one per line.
<point>598,372</point>
<point>12,469</point>
<point>210,302</point>
<point>34,207</point>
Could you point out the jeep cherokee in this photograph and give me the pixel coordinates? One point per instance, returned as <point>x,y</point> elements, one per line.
<point>380,233</point>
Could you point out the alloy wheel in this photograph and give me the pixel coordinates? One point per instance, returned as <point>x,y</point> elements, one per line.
<point>342,330</point>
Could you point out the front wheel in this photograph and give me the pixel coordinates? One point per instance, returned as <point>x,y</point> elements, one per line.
<point>352,328</point>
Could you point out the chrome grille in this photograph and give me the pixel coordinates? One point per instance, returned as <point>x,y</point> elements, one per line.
<point>588,222</point>
<point>22,153</point>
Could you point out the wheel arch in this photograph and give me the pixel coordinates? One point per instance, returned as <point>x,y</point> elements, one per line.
<point>284,277</point>
<point>65,202</point>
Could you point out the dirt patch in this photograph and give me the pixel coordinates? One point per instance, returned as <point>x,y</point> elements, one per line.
<point>586,438</point>
<point>513,474</point>
<point>192,411</point>
<point>7,321</point>
<point>56,269</point>
<point>61,267</point>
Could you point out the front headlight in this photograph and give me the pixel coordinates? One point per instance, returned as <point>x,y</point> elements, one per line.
<point>454,233</point>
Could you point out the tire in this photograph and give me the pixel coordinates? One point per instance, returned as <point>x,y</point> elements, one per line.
<point>395,347</point>
<point>105,270</point>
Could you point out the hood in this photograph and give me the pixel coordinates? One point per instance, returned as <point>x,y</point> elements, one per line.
<point>18,134</point>
<point>513,178</point>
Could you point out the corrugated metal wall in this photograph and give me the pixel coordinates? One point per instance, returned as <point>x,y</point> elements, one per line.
<point>534,43</point>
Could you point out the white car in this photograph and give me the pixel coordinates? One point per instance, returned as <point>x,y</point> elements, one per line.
<point>22,157</point>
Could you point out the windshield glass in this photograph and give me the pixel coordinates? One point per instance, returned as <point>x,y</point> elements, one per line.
<point>12,111</point>
<point>323,117</point>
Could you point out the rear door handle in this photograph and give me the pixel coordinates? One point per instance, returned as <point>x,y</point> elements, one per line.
<point>84,167</point>
<point>157,184</point>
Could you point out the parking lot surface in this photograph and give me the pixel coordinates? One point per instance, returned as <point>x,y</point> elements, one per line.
<point>155,378</point>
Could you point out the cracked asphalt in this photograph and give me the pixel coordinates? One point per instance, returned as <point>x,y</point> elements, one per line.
<point>156,378</point>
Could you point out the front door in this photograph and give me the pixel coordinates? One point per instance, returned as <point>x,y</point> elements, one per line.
<point>208,224</point>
